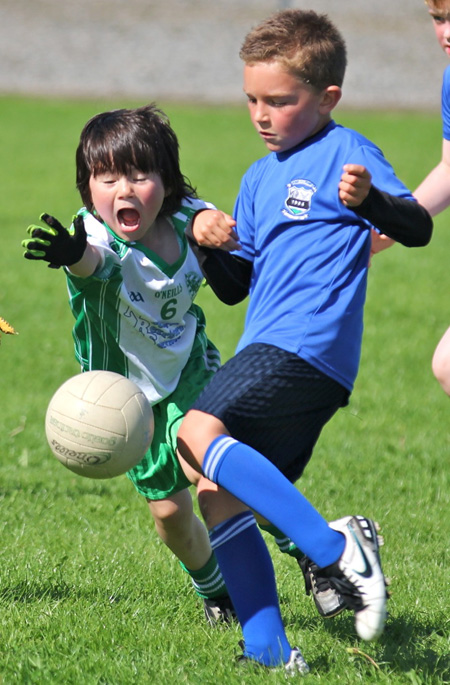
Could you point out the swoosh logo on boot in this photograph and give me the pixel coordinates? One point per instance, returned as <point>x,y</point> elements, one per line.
<point>367,571</point>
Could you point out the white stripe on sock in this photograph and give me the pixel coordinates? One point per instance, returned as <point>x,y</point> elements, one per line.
<point>213,457</point>
<point>219,538</point>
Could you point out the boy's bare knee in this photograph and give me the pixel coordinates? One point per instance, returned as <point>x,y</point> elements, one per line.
<point>172,511</point>
<point>196,433</point>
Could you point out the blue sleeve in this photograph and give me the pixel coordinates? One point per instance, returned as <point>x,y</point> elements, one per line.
<point>445,104</point>
<point>383,175</point>
<point>244,215</point>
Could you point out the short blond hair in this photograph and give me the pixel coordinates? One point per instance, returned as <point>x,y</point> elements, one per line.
<point>441,7</point>
<point>307,44</point>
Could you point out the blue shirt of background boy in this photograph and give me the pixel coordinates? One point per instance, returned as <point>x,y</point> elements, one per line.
<point>445,104</point>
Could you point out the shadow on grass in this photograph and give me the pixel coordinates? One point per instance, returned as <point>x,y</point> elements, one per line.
<point>33,592</point>
<point>408,644</point>
<point>26,591</point>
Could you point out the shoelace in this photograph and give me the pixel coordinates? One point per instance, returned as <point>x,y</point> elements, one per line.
<point>312,576</point>
<point>347,591</point>
<point>322,584</point>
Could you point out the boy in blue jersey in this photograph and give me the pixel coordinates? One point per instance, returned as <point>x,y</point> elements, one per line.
<point>434,191</point>
<point>300,242</point>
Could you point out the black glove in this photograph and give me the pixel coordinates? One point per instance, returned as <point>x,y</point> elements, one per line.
<point>54,243</point>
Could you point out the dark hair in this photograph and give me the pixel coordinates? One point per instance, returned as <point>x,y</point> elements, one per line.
<point>306,43</point>
<point>123,139</point>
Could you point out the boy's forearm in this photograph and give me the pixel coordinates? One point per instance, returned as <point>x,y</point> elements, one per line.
<point>87,264</point>
<point>434,191</point>
<point>228,275</point>
<point>405,221</point>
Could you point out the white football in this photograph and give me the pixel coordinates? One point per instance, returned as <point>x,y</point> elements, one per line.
<point>99,424</point>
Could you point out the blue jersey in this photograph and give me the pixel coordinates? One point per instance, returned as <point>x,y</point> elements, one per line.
<point>309,252</point>
<point>445,104</point>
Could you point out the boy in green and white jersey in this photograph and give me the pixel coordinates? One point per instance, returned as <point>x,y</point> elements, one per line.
<point>136,314</point>
<point>132,279</point>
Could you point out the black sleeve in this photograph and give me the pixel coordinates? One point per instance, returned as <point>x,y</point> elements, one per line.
<point>228,274</point>
<point>405,221</point>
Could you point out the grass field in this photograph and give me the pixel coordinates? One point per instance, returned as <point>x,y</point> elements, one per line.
<point>88,595</point>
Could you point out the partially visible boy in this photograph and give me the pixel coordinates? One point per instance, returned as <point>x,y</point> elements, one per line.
<point>434,191</point>
<point>301,251</point>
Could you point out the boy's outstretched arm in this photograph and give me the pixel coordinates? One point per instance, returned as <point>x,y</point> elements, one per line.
<point>211,236</point>
<point>405,221</point>
<point>56,245</point>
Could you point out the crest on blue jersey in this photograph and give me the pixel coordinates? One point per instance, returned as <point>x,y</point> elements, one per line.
<point>298,202</point>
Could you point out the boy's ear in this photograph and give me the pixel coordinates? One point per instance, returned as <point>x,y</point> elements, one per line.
<point>330,97</point>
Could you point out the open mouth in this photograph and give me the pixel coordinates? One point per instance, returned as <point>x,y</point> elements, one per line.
<point>129,219</point>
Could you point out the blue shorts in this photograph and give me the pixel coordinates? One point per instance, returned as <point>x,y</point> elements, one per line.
<point>275,402</point>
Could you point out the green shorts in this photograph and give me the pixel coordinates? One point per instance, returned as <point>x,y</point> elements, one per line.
<point>159,474</point>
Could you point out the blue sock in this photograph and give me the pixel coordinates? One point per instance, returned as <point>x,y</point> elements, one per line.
<point>249,576</point>
<point>254,480</point>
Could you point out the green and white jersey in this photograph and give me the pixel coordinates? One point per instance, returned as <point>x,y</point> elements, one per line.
<point>135,315</point>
